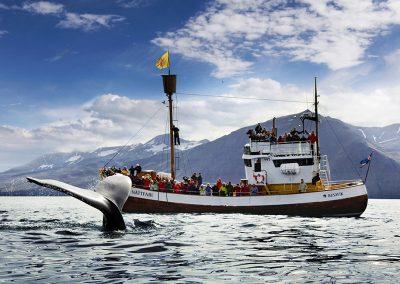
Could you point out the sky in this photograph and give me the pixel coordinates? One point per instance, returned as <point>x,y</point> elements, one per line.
<point>78,75</point>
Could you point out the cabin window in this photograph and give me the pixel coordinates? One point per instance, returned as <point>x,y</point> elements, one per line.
<point>301,162</point>
<point>247,162</point>
<point>257,165</point>
<point>247,150</point>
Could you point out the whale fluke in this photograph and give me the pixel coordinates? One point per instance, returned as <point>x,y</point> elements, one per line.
<point>109,197</point>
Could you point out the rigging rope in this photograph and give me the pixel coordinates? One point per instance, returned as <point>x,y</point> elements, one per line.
<point>134,135</point>
<point>165,169</point>
<point>344,150</point>
<point>243,98</point>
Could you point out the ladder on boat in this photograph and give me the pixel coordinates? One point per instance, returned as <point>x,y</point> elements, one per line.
<point>324,171</point>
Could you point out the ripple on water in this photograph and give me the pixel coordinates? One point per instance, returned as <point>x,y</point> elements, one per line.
<point>68,245</point>
<point>150,249</point>
<point>67,233</point>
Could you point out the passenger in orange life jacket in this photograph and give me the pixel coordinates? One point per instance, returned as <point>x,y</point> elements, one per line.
<point>177,141</point>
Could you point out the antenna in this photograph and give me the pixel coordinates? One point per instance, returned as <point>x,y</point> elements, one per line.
<point>316,114</point>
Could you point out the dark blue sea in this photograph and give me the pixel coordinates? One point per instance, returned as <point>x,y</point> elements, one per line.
<point>60,240</point>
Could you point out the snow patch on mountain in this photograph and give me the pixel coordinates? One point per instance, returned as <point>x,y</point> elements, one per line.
<point>189,145</point>
<point>45,167</point>
<point>106,153</point>
<point>389,140</point>
<point>74,159</point>
<point>133,147</point>
<point>363,133</point>
<point>157,148</point>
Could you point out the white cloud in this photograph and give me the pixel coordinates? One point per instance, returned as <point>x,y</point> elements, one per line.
<point>134,3</point>
<point>392,61</point>
<point>88,22</point>
<point>111,119</point>
<point>378,107</point>
<point>334,33</point>
<point>3,6</point>
<point>43,7</point>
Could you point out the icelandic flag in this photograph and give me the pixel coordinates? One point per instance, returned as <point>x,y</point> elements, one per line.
<point>366,161</point>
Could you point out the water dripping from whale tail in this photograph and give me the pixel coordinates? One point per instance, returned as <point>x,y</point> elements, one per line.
<point>109,197</point>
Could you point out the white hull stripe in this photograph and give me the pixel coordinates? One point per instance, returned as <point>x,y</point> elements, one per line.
<point>264,200</point>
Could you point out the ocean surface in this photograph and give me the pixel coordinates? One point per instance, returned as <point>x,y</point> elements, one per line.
<point>60,240</point>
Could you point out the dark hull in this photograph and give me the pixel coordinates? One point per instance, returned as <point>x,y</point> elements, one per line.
<point>353,206</point>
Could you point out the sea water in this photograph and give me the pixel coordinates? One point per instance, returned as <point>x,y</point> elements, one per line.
<point>59,239</point>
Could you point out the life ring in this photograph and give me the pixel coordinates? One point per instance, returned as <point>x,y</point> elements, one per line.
<point>260,178</point>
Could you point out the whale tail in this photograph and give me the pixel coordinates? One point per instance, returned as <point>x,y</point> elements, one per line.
<point>109,197</point>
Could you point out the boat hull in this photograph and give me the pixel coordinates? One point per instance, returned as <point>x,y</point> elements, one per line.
<point>349,202</point>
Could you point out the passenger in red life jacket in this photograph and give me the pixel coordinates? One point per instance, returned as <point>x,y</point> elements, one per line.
<point>245,190</point>
<point>146,182</point>
<point>312,137</point>
<point>177,187</point>
<point>193,188</point>
<point>161,185</point>
<point>280,139</point>
<point>219,183</point>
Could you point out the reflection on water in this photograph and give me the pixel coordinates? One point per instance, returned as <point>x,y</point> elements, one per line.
<point>57,239</point>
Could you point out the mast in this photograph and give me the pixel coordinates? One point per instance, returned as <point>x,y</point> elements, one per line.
<point>316,114</point>
<point>169,82</point>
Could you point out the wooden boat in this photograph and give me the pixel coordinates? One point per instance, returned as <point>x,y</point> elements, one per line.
<point>276,169</point>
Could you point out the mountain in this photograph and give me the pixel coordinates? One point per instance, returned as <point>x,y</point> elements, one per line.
<point>346,145</point>
<point>81,168</point>
<point>386,139</point>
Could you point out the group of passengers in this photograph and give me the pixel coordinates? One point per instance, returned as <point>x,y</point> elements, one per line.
<point>193,185</point>
<point>228,189</point>
<point>131,172</point>
<point>262,134</point>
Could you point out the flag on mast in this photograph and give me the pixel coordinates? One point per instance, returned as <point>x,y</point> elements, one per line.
<point>163,61</point>
<point>366,161</point>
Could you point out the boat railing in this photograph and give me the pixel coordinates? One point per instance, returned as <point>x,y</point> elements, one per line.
<point>291,148</point>
<point>338,184</point>
<point>289,190</point>
<point>280,149</point>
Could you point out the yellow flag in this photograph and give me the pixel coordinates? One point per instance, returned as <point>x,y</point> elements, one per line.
<point>163,61</point>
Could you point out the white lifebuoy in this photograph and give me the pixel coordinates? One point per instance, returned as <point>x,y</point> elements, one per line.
<point>260,178</point>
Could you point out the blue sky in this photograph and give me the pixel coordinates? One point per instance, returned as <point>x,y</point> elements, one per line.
<point>76,75</point>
